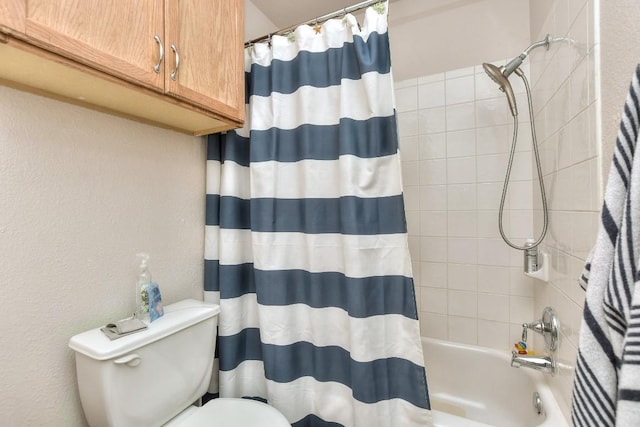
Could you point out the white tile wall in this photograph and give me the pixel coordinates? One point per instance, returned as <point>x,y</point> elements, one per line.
<point>455,135</point>
<point>564,81</point>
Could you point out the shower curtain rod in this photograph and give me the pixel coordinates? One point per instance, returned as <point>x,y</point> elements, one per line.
<point>323,18</point>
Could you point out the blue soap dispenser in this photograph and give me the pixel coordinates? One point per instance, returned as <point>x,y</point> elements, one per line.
<point>142,294</point>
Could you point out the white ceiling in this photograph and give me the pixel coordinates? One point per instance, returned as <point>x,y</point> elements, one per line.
<point>285,13</point>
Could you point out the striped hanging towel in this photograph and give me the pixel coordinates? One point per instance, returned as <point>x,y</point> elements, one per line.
<point>606,389</point>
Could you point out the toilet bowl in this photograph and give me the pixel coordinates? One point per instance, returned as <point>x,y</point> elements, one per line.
<point>153,377</point>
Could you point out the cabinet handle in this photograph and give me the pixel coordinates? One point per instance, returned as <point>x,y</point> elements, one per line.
<point>158,40</point>
<point>175,70</point>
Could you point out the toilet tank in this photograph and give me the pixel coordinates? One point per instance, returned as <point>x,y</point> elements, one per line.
<point>146,378</point>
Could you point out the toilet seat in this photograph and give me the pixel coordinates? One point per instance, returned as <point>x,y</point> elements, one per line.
<point>227,412</point>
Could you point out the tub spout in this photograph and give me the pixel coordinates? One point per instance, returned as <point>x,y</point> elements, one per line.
<point>539,363</point>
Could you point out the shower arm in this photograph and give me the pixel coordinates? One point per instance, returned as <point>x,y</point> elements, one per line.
<point>545,42</point>
<point>517,61</point>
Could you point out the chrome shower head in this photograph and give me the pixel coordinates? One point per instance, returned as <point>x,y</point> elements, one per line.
<point>498,76</point>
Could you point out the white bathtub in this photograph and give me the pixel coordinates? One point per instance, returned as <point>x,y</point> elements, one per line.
<point>472,386</point>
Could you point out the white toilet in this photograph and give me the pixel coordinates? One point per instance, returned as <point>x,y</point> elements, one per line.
<point>153,377</point>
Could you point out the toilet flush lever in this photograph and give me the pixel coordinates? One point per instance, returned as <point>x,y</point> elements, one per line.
<point>131,360</point>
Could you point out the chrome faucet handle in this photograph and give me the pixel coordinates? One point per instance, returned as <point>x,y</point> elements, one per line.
<point>538,326</point>
<point>547,327</point>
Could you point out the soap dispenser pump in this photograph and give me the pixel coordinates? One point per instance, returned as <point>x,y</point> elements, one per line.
<point>142,295</point>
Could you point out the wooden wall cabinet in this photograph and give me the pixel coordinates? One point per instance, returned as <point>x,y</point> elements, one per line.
<point>174,63</point>
<point>12,16</point>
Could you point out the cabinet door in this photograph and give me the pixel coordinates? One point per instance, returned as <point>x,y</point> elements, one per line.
<point>114,36</point>
<point>208,38</point>
<point>12,16</point>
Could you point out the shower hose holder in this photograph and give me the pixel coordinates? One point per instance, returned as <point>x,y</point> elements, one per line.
<point>536,262</point>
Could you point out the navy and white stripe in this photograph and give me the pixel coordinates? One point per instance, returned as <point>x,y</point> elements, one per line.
<point>607,382</point>
<point>306,246</point>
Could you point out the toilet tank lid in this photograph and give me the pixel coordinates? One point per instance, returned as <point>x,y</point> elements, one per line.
<point>177,316</point>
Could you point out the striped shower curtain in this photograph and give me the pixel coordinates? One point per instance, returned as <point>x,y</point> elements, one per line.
<point>306,245</point>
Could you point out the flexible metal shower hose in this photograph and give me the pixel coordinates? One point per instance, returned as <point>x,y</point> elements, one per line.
<point>539,170</point>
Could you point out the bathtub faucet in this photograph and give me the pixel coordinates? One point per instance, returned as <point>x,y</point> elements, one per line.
<point>548,327</point>
<point>539,363</point>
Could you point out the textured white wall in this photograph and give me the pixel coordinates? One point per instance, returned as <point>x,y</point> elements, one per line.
<point>81,193</point>
<point>620,54</point>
